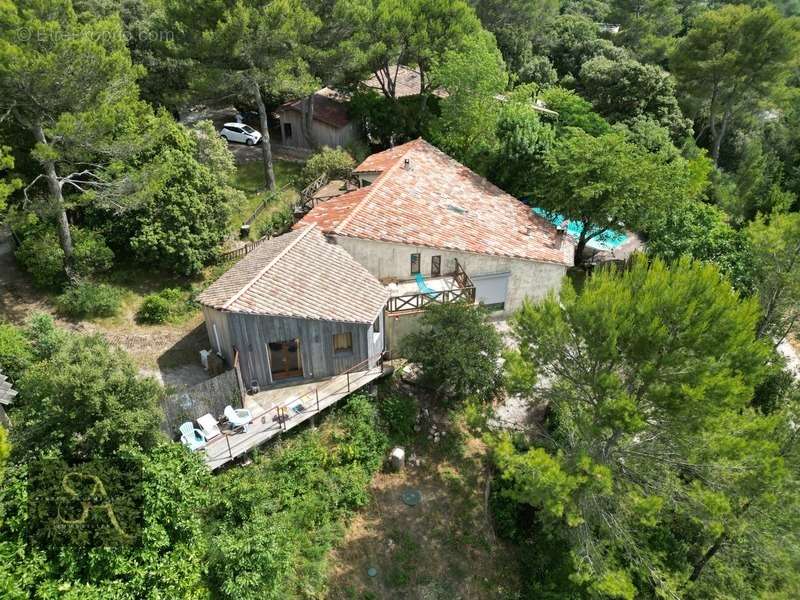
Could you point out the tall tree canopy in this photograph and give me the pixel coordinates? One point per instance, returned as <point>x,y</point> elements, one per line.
<point>71,86</point>
<point>417,33</point>
<point>653,463</point>
<point>261,48</point>
<point>731,60</point>
<point>607,183</point>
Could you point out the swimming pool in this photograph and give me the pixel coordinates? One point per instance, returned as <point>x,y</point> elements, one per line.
<point>608,240</point>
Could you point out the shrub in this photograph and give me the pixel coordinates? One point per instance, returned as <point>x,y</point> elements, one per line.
<point>87,299</point>
<point>90,253</point>
<point>42,257</point>
<point>40,254</point>
<point>279,222</point>
<point>161,307</point>
<point>336,163</point>
<point>16,353</point>
<point>398,413</point>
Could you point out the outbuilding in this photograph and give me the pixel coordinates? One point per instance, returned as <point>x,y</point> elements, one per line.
<point>297,307</point>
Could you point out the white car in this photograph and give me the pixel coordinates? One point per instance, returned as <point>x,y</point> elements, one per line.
<point>239,132</point>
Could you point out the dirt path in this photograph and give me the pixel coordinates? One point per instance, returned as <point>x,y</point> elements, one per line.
<point>18,299</point>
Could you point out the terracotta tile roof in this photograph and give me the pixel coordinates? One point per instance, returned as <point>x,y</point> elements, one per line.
<point>300,274</point>
<point>439,203</point>
<point>327,215</point>
<point>327,109</point>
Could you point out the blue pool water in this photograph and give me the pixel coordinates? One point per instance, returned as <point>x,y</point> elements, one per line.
<point>608,240</point>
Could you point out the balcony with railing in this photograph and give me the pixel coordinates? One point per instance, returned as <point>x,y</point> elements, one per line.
<point>409,295</point>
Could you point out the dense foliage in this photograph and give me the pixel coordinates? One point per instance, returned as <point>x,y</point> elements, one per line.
<point>82,406</point>
<point>655,472</point>
<point>458,351</point>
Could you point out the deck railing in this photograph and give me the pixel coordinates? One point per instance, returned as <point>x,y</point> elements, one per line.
<point>312,403</point>
<point>465,292</point>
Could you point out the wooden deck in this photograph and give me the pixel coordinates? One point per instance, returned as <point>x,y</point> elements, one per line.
<point>280,409</point>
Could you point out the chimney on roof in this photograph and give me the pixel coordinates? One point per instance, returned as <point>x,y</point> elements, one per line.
<point>407,164</point>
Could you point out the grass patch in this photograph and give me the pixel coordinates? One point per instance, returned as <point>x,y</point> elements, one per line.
<point>250,179</point>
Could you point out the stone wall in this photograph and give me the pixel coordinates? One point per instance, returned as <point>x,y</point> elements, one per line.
<point>188,403</point>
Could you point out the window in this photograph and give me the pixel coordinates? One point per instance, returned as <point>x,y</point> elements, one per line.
<point>248,129</point>
<point>287,130</point>
<point>415,263</point>
<point>436,266</point>
<point>342,342</point>
<point>233,128</point>
<point>376,326</point>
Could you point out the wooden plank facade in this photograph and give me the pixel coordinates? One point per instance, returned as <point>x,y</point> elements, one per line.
<point>252,335</point>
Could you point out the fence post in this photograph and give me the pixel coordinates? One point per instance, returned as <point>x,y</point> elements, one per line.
<point>316,391</point>
<point>228,442</point>
<point>348,382</point>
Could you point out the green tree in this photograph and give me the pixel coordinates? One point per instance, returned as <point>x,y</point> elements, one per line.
<point>523,143</point>
<point>574,111</point>
<point>775,248</point>
<point>178,211</point>
<point>606,183</point>
<point>7,184</point>
<point>84,400</point>
<point>519,26</point>
<point>624,90</point>
<point>416,33</point>
<point>473,79</point>
<point>652,458</point>
<point>732,60</point>
<point>260,48</point>
<point>71,86</point>
<point>334,163</point>
<point>457,350</point>
<point>576,39</point>
<point>701,231</point>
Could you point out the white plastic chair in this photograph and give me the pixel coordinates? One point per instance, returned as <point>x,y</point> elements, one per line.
<point>209,425</point>
<point>238,417</point>
<point>192,438</point>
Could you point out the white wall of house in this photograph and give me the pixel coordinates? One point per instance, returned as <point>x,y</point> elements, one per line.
<point>526,278</point>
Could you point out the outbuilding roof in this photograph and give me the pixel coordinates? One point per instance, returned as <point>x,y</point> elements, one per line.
<point>329,107</point>
<point>300,274</point>
<point>423,197</point>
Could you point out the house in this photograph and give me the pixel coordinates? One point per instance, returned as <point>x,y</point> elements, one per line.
<point>296,307</point>
<point>330,122</point>
<point>420,212</point>
<point>346,282</point>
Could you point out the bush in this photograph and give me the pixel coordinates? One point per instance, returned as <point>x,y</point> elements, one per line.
<point>458,351</point>
<point>399,413</point>
<point>279,222</point>
<point>90,300</point>
<point>16,353</point>
<point>90,253</point>
<point>40,254</point>
<point>336,163</point>
<point>161,307</point>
